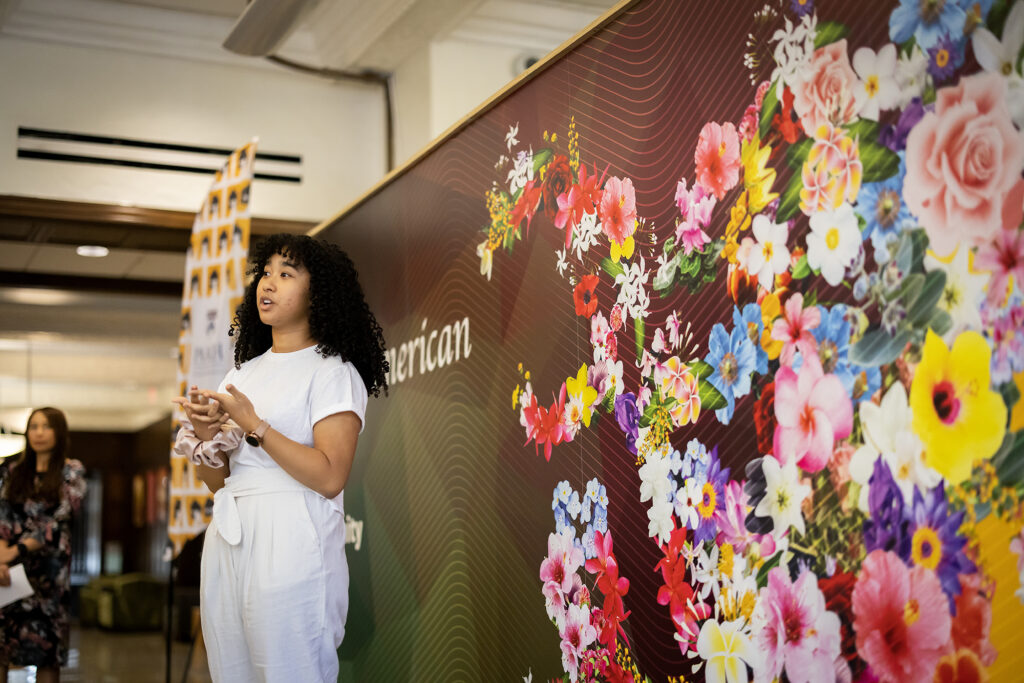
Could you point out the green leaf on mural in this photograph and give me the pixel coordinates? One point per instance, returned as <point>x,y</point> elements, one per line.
<point>910,289</point>
<point>613,268</point>
<point>608,404</point>
<point>768,108</point>
<point>710,398</point>
<point>1010,394</point>
<point>797,154</point>
<point>1009,460</point>
<point>762,573</point>
<point>829,32</point>
<point>639,328</point>
<point>879,161</point>
<point>921,310</point>
<point>648,415</point>
<point>940,322</point>
<point>802,269</point>
<point>789,204</point>
<point>878,347</point>
<point>905,253</point>
<point>701,370</point>
<point>540,159</point>
<point>919,243</point>
<point>863,130</point>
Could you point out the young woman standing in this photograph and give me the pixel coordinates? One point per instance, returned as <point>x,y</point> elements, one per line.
<point>275,444</point>
<point>39,492</point>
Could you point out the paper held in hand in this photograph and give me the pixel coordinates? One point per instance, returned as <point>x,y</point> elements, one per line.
<point>19,588</point>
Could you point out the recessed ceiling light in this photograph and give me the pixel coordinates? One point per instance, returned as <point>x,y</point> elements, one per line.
<point>92,251</point>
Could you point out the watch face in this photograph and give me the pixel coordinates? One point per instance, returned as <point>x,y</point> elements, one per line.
<point>251,439</point>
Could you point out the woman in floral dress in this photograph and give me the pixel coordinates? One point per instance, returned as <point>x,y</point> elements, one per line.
<point>39,491</point>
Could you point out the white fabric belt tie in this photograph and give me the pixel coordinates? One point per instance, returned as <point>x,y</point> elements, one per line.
<point>247,481</point>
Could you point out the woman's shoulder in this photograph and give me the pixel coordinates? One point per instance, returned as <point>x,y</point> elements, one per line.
<point>336,365</point>
<point>338,372</point>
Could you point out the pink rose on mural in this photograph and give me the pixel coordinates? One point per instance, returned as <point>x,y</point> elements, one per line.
<point>829,92</point>
<point>717,158</point>
<point>962,160</point>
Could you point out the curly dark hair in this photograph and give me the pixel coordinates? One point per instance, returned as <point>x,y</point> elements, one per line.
<point>339,318</point>
<point>22,484</point>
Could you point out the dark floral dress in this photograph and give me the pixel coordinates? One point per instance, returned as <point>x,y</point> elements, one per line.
<point>34,631</point>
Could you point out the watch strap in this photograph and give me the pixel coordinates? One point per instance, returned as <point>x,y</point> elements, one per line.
<point>255,437</point>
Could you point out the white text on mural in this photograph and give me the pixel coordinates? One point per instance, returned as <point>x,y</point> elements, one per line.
<point>434,350</point>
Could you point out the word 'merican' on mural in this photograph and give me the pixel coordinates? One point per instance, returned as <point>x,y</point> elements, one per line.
<point>435,350</point>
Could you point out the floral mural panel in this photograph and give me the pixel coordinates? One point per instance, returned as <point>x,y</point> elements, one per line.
<point>736,391</point>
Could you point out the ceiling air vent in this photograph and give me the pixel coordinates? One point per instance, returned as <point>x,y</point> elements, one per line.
<point>82,148</point>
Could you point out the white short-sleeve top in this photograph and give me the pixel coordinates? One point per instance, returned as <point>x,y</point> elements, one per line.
<point>293,391</point>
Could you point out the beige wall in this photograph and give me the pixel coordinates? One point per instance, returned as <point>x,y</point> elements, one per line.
<point>338,128</point>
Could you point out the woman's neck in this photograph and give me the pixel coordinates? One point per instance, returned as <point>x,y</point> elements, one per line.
<point>294,339</point>
<point>42,461</point>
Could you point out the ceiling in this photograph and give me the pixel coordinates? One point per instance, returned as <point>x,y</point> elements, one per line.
<point>220,8</point>
<point>97,336</point>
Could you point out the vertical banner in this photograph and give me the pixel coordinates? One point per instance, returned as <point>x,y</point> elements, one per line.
<point>213,288</point>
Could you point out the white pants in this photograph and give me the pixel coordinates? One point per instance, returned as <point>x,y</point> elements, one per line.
<point>273,602</point>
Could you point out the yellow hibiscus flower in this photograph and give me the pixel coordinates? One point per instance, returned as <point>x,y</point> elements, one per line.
<point>624,250</point>
<point>956,414</point>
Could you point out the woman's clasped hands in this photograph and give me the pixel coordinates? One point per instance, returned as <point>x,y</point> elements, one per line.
<point>207,416</point>
<point>208,410</point>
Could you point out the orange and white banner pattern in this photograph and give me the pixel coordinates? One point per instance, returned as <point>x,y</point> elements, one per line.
<point>213,288</point>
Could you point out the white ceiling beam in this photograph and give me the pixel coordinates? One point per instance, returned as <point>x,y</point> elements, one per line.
<point>134,28</point>
<point>354,34</point>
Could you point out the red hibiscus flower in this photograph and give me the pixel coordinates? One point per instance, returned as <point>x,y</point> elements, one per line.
<point>787,127</point>
<point>526,206</point>
<point>584,296</point>
<point>678,594</point>
<point>612,586</point>
<point>545,426</point>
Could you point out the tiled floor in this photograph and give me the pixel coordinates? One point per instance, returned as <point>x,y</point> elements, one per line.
<point>99,656</point>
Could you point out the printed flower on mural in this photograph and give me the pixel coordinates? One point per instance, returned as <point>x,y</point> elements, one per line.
<point>957,417</point>
<point>962,160</point>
